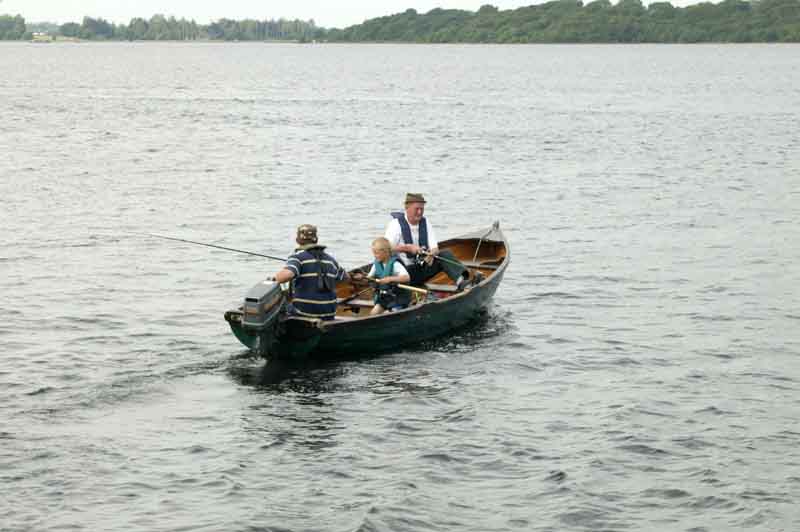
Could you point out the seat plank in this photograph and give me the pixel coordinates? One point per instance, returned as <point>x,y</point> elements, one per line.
<point>357,303</point>
<point>441,287</point>
<point>473,264</point>
<point>346,318</point>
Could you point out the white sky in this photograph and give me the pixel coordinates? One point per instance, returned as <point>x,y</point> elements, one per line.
<point>330,14</point>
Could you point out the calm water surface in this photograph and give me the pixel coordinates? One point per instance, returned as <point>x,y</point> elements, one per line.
<point>638,370</point>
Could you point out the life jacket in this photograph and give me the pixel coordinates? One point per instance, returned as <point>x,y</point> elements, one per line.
<point>388,295</point>
<point>314,284</point>
<point>382,271</point>
<point>405,228</point>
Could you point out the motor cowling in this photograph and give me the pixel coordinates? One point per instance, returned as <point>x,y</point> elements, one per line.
<point>262,305</point>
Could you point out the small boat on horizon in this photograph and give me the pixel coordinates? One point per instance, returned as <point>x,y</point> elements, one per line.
<point>262,324</point>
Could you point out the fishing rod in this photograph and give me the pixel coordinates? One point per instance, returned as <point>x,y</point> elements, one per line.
<point>208,245</point>
<point>429,254</point>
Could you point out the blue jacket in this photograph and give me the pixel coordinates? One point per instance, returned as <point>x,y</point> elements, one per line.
<point>314,283</point>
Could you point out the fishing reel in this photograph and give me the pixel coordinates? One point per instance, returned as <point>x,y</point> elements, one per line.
<point>421,257</point>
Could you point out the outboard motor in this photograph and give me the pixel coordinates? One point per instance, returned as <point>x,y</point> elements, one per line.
<point>262,305</point>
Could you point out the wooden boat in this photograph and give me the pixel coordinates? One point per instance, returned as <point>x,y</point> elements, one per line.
<point>262,325</point>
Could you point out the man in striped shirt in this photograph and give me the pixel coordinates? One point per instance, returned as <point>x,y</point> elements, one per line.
<point>313,274</point>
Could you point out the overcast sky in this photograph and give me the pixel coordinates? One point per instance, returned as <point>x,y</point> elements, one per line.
<point>331,13</point>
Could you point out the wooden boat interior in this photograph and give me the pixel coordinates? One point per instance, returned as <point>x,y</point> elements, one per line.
<point>478,255</point>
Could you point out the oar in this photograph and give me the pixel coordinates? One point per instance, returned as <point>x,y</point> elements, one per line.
<point>412,288</point>
<point>208,245</point>
<point>354,296</point>
<point>403,286</point>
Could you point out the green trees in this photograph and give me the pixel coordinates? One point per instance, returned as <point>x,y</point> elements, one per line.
<point>137,29</point>
<point>599,21</point>
<point>70,29</point>
<point>777,20</point>
<point>96,29</point>
<point>161,28</point>
<point>627,21</point>
<point>267,30</point>
<point>12,28</point>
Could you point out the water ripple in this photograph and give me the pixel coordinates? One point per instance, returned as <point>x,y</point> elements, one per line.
<point>625,377</point>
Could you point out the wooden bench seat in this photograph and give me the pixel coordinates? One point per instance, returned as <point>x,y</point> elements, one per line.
<point>473,264</point>
<point>346,318</point>
<point>441,287</point>
<point>357,303</point>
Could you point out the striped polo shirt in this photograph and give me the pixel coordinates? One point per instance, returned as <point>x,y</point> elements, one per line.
<point>309,300</point>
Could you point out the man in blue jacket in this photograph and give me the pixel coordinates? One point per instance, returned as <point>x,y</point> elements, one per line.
<point>313,274</point>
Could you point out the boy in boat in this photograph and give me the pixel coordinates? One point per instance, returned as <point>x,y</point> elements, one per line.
<point>387,269</point>
<point>313,274</point>
<point>412,238</point>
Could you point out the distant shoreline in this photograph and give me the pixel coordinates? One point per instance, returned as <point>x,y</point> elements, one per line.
<point>72,40</point>
<point>405,43</point>
<point>554,22</point>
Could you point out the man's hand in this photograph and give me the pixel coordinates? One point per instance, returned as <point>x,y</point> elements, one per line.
<point>411,249</point>
<point>284,276</point>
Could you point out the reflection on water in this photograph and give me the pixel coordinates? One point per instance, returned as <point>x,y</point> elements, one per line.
<point>306,403</point>
<point>280,376</point>
<point>293,414</point>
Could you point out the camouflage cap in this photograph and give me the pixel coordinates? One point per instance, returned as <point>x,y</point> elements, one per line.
<point>412,197</point>
<point>306,234</point>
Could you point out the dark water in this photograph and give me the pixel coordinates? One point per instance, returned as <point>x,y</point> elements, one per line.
<point>638,369</point>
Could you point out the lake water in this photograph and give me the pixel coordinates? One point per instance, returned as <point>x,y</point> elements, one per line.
<point>639,368</point>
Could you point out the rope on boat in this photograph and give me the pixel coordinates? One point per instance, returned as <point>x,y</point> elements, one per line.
<point>480,241</point>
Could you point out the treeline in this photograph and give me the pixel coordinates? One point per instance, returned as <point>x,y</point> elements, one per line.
<point>559,21</point>
<point>161,28</point>
<point>13,28</point>
<point>572,21</point>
